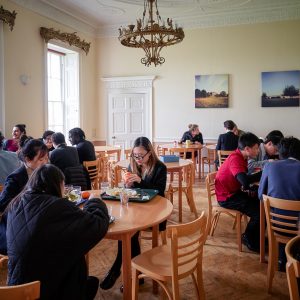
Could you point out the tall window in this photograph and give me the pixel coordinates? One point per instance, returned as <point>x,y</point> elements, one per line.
<point>63,89</point>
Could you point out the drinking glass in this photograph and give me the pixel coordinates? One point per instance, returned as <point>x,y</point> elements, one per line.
<point>77,192</point>
<point>104,186</point>
<point>124,197</point>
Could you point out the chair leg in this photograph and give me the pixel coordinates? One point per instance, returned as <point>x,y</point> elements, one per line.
<point>200,282</point>
<point>192,202</point>
<point>271,265</point>
<point>239,231</point>
<point>216,217</point>
<point>175,288</point>
<point>163,235</point>
<point>135,284</point>
<point>234,223</point>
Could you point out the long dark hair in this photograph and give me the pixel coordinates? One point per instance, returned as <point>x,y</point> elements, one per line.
<point>21,127</point>
<point>44,180</point>
<point>153,159</point>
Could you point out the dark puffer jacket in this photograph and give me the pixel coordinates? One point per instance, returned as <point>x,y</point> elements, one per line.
<point>47,238</point>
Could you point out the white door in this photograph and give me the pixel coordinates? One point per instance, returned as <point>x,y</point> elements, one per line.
<point>128,119</point>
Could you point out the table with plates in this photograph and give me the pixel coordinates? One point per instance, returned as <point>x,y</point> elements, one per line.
<point>107,150</point>
<point>192,148</point>
<point>129,219</point>
<point>172,167</point>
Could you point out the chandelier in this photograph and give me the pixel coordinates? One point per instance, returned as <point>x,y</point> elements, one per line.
<point>151,34</point>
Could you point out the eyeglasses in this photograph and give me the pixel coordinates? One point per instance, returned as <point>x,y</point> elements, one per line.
<point>139,157</point>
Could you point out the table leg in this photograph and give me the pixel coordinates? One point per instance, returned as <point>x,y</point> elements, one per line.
<point>155,233</point>
<point>262,232</point>
<point>126,266</point>
<point>199,162</point>
<point>180,195</point>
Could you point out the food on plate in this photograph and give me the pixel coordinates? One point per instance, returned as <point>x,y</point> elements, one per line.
<point>85,195</point>
<point>116,192</point>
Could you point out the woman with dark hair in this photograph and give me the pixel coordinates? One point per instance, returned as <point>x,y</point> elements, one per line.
<point>48,236</point>
<point>148,172</point>
<point>280,179</point>
<point>13,144</point>
<point>33,155</point>
<point>85,149</point>
<point>47,139</point>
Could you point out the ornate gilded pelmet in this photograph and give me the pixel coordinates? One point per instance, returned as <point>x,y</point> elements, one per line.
<point>73,40</point>
<point>8,17</point>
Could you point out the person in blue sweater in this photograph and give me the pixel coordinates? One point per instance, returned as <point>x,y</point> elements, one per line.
<point>281,178</point>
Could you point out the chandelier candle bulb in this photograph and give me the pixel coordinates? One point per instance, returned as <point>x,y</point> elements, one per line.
<point>151,34</point>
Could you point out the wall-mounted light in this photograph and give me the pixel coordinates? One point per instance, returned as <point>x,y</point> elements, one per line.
<point>24,79</point>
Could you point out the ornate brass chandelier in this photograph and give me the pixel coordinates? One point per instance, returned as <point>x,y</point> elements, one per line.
<point>151,34</point>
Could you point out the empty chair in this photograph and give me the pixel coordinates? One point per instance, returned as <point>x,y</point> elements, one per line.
<point>222,155</point>
<point>282,226</point>
<point>27,291</point>
<point>187,187</point>
<point>292,249</point>
<point>93,168</point>
<point>127,153</point>
<point>209,160</point>
<point>170,263</point>
<point>215,210</point>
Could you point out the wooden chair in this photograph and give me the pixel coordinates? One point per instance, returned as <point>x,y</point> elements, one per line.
<point>179,259</point>
<point>293,267</point>
<point>93,168</point>
<point>127,153</point>
<point>28,291</point>
<point>215,211</point>
<point>3,260</point>
<point>281,226</point>
<point>103,168</point>
<point>1,188</point>
<point>187,187</point>
<point>209,160</point>
<point>222,155</point>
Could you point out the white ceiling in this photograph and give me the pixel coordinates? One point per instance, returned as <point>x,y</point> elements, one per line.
<point>104,17</point>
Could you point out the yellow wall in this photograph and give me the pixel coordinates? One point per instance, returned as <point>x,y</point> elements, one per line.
<point>241,51</point>
<point>24,54</point>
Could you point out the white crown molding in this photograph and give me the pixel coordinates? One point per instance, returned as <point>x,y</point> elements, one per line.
<point>128,82</point>
<point>57,15</point>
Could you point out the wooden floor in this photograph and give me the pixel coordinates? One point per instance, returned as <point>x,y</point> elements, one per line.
<point>227,273</point>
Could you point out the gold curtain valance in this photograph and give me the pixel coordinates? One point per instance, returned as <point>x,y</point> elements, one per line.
<point>73,40</point>
<point>8,17</point>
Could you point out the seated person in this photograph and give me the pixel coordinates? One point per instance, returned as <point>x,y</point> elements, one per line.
<point>8,161</point>
<point>47,139</point>
<point>86,150</point>
<point>267,151</point>
<point>63,156</point>
<point>48,236</point>
<point>145,171</point>
<point>193,135</point>
<point>13,144</point>
<point>66,159</point>
<point>33,155</point>
<point>280,179</point>
<point>227,141</point>
<point>233,189</point>
<point>238,131</point>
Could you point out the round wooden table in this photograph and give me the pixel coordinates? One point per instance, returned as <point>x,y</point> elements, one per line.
<point>128,220</point>
<point>192,148</point>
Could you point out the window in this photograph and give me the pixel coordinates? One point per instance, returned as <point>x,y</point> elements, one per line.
<point>63,89</point>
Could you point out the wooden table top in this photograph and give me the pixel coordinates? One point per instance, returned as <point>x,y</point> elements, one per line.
<point>191,147</point>
<point>107,148</point>
<point>136,216</point>
<point>211,146</point>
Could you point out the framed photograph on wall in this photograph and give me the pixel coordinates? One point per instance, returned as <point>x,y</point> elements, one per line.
<point>211,91</point>
<point>280,89</point>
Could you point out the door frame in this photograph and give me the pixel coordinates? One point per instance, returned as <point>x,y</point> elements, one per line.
<point>131,85</point>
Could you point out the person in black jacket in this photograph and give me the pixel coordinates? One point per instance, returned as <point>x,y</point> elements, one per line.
<point>86,150</point>
<point>148,172</point>
<point>193,134</point>
<point>48,237</point>
<point>33,155</point>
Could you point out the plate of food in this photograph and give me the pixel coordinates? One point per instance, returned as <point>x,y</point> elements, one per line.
<point>115,192</point>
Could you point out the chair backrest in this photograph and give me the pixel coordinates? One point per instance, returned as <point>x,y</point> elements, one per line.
<point>1,188</point>
<point>93,168</point>
<point>103,168</point>
<point>127,153</point>
<point>292,251</point>
<point>189,174</point>
<point>187,253</point>
<point>282,217</point>
<point>159,150</point>
<point>211,193</point>
<point>222,155</point>
<point>27,291</point>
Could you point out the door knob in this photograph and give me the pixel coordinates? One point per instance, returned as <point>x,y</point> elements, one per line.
<point>113,137</point>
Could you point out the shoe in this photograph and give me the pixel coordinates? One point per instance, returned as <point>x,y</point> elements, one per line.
<point>92,287</point>
<point>246,242</point>
<point>110,279</point>
<point>141,281</point>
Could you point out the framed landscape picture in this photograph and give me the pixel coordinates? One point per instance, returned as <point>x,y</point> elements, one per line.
<point>211,91</point>
<point>280,89</point>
